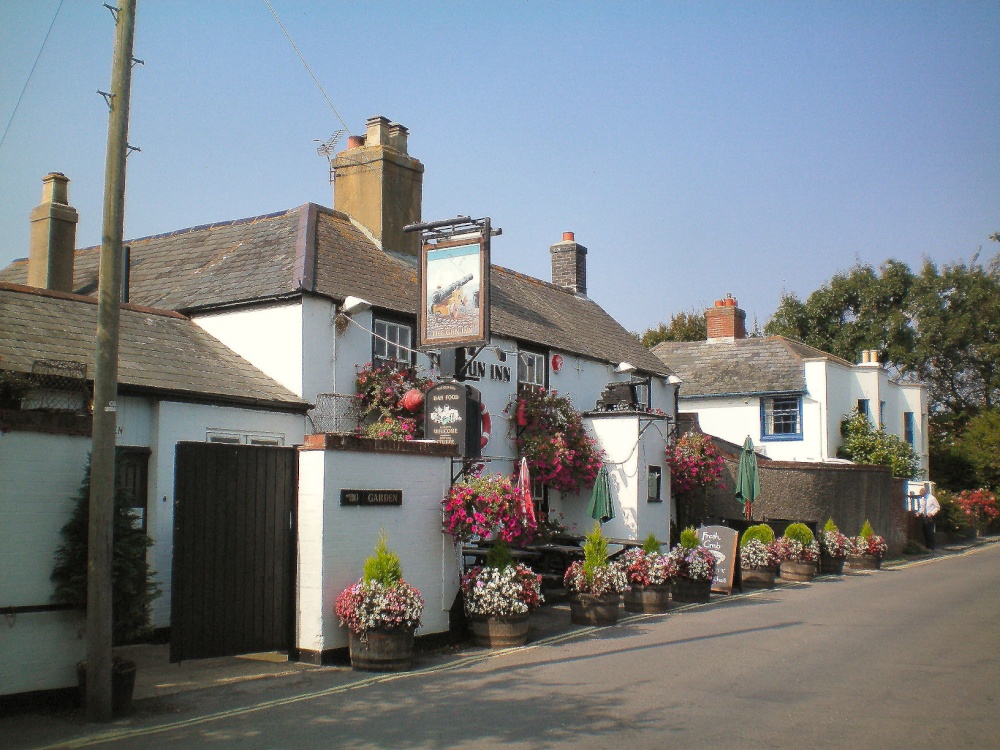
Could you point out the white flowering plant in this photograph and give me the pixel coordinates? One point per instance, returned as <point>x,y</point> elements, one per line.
<point>381,600</point>
<point>606,579</point>
<point>868,543</point>
<point>755,554</point>
<point>502,591</point>
<point>795,551</point>
<point>691,560</point>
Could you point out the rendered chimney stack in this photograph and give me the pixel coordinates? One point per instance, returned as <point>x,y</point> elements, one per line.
<point>379,185</point>
<point>569,264</point>
<point>53,236</point>
<point>726,321</point>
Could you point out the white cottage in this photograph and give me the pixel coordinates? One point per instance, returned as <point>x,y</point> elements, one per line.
<point>789,397</point>
<point>272,288</point>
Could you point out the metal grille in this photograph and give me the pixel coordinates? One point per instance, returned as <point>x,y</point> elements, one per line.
<point>337,413</point>
<point>52,385</point>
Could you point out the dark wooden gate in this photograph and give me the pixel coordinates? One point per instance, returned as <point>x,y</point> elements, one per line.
<point>233,577</point>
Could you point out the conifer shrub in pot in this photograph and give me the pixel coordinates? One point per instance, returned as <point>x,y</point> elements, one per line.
<point>833,548</point>
<point>595,584</point>
<point>650,575</point>
<point>799,553</point>
<point>758,557</point>
<point>866,550</point>
<point>694,569</point>
<point>499,597</point>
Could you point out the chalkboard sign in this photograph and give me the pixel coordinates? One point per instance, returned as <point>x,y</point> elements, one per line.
<point>722,542</point>
<point>452,415</point>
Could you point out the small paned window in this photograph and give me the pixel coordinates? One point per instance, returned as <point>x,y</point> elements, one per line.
<point>781,418</point>
<point>654,483</point>
<point>393,341</point>
<point>532,369</point>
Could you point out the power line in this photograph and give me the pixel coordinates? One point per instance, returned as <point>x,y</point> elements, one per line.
<point>31,73</point>
<point>306,65</point>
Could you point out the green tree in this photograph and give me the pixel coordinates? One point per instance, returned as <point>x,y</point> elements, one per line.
<point>857,310</point>
<point>866,444</point>
<point>684,326</point>
<point>980,445</point>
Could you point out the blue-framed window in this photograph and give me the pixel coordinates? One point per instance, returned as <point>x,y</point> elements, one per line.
<point>781,418</point>
<point>909,431</point>
<point>864,407</point>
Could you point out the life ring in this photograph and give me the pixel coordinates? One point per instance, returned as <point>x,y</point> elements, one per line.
<point>487,425</point>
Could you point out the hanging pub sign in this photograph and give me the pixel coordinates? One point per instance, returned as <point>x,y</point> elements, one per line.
<point>454,278</point>
<point>452,414</point>
<point>722,542</point>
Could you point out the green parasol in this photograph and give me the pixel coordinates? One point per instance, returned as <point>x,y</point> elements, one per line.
<point>601,507</point>
<point>747,479</point>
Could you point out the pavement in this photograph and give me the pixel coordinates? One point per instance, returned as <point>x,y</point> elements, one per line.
<point>157,678</point>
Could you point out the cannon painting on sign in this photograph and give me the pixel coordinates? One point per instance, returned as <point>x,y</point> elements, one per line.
<point>454,286</point>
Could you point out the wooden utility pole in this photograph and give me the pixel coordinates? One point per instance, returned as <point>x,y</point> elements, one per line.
<point>102,456</point>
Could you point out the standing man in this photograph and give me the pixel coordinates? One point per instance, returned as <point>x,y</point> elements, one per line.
<point>927,507</point>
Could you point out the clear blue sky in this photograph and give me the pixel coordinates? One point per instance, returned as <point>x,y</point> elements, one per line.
<point>696,148</point>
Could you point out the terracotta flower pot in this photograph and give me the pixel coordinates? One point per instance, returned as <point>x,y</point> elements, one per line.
<point>686,590</point>
<point>651,599</point>
<point>587,609</point>
<point>792,570</point>
<point>500,632</point>
<point>389,650</point>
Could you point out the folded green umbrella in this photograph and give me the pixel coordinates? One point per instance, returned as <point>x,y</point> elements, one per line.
<point>747,479</point>
<point>601,507</point>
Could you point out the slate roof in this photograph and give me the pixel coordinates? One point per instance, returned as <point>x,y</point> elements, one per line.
<point>161,352</point>
<point>312,249</point>
<point>751,366</point>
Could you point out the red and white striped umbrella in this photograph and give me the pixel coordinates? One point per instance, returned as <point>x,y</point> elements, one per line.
<point>524,486</point>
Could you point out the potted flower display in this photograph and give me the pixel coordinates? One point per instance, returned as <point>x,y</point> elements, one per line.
<point>551,435</point>
<point>758,557</point>
<point>866,549</point>
<point>694,569</point>
<point>381,611</point>
<point>649,576</point>
<point>483,506</point>
<point>832,549</point>
<point>595,584</point>
<point>799,553</point>
<point>390,401</point>
<point>499,597</point>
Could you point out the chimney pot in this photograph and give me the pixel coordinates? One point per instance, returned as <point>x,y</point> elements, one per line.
<point>355,141</point>
<point>725,321</point>
<point>569,264</point>
<point>569,237</point>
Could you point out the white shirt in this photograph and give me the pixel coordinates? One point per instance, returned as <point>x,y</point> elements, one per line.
<point>927,505</point>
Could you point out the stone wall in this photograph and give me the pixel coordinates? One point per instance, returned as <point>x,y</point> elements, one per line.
<point>812,493</point>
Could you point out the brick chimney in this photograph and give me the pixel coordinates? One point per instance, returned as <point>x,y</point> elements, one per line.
<point>53,236</point>
<point>379,185</point>
<point>726,321</point>
<point>569,264</point>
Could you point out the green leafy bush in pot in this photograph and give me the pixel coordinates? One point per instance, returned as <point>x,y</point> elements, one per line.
<point>760,532</point>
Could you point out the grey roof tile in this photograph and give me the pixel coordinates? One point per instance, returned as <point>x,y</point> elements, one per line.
<point>159,351</point>
<point>315,249</point>
<point>743,366</point>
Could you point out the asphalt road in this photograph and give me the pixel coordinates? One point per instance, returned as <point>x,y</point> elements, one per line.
<point>903,658</point>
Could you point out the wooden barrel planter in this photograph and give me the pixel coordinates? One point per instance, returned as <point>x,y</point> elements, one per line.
<point>758,578</point>
<point>831,566</point>
<point>500,632</point>
<point>587,609</point>
<point>686,590</point>
<point>797,571</point>
<point>382,650</point>
<point>651,599</point>
<point>864,562</point>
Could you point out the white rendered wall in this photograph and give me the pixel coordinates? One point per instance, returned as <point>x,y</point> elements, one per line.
<point>334,541</point>
<point>41,476</point>
<point>175,422</point>
<point>269,337</point>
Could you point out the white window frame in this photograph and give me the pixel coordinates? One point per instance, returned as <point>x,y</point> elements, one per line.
<point>393,340</point>
<point>532,368</point>
<point>237,437</point>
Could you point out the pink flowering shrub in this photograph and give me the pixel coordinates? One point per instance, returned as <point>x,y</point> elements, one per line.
<point>867,542</point>
<point>694,462</point>
<point>481,506</point>
<point>560,453</point>
<point>647,568</point>
<point>380,392</point>
<point>606,579</point>
<point>980,506</point>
